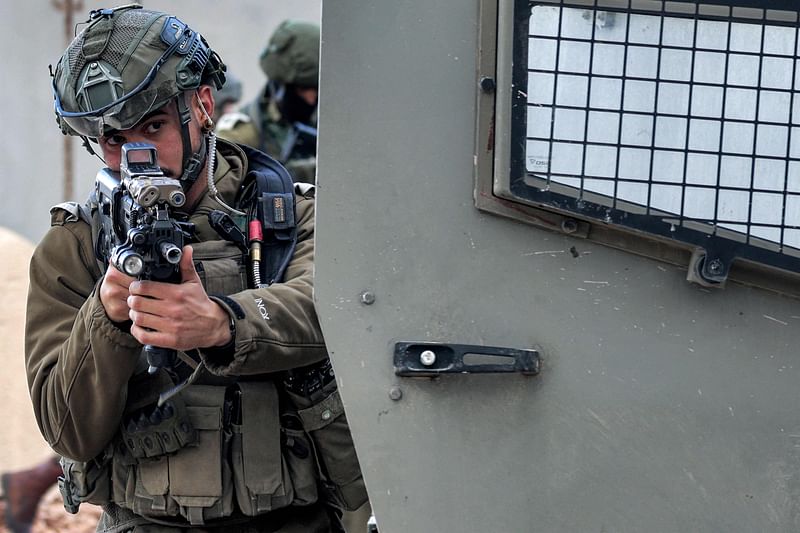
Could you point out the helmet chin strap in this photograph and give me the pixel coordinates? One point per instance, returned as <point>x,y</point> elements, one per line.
<point>192,161</point>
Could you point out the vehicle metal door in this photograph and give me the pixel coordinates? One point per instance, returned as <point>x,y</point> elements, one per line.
<point>532,352</point>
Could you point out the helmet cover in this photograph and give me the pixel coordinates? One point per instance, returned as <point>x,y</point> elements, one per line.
<point>292,54</point>
<point>127,62</point>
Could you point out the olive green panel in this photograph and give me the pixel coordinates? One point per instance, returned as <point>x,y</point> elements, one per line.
<point>661,406</point>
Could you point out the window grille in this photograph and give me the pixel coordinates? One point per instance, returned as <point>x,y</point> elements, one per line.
<point>677,119</point>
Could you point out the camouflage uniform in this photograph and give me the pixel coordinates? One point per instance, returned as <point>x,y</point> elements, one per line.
<point>230,452</point>
<point>291,58</point>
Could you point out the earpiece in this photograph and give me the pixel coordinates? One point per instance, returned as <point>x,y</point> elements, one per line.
<point>208,124</point>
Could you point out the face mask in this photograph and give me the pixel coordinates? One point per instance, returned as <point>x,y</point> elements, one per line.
<point>293,107</point>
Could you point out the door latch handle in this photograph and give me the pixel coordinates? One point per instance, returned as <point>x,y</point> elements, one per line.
<point>425,359</point>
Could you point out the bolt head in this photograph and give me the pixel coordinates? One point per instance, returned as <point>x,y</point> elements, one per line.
<point>487,84</point>
<point>427,358</point>
<point>715,266</point>
<point>367,297</point>
<point>395,393</point>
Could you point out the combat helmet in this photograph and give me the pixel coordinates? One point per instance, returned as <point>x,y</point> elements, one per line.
<point>127,62</point>
<point>291,56</point>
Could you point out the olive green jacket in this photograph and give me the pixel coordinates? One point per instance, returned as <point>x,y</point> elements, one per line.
<point>79,362</point>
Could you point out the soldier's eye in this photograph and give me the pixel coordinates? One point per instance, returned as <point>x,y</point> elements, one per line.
<point>114,140</point>
<point>154,126</point>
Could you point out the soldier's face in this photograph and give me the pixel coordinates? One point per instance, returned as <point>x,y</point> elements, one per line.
<point>162,129</point>
<point>309,94</point>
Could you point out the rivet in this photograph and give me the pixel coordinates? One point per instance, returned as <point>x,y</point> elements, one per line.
<point>395,393</point>
<point>326,414</point>
<point>367,297</point>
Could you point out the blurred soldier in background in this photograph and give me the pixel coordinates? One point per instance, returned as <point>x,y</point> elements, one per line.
<point>282,121</point>
<point>226,99</point>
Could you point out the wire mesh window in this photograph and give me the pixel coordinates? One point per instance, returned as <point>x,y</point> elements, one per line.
<point>675,118</point>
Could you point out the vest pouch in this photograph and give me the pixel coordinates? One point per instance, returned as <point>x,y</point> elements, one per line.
<point>85,482</point>
<point>265,475</point>
<point>220,267</point>
<point>195,481</point>
<point>298,452</point>
<point>326,423</point>
<point>200,478</point>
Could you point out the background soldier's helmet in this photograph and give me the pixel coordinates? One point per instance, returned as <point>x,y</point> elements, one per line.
<point>127,62</point>
<point>230,92</point>
<point>292,54</point>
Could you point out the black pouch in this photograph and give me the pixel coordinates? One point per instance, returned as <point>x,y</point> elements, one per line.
<point>335,452</point>
<point>270,470</point>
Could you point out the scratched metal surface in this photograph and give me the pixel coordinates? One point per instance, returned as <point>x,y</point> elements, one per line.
<point>661,406</point>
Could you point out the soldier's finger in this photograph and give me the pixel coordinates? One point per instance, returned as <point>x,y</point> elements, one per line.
<point>148,304</point>
<point>117,277</point>
<point>150,289</point>
<point>188,272</point>
<point>154,338</point>
<point>149,321</point>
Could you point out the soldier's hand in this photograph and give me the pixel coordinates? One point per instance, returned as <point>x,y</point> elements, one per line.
<point>114,294</point>
<point>178,316</point>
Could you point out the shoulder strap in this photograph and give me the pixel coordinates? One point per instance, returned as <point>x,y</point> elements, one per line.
<point>88,213</point>
<point>267,194</point>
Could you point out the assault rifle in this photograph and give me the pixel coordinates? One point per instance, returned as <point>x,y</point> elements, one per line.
<point>138,232</point>
<point>300,143</point>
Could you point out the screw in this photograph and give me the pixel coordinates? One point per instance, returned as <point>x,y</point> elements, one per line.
<point>715,267</point>
<point>487,85</point>
<point>395,393</point>
<point>367,297</point>
<point>427,358</point>
<point>569,225</point>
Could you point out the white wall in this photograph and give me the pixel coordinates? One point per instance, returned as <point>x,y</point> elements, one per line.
<point>31,154</point>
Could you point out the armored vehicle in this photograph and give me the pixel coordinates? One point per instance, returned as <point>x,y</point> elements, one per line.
<point>558,261</point>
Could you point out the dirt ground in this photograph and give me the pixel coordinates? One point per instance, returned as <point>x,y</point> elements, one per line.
<point>21,444</point>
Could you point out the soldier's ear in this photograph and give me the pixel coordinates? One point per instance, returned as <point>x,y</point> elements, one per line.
<point>205,102</point>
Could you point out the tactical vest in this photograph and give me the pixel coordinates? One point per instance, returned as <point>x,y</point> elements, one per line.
<point>223,450</point>
<point>259,124</point>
